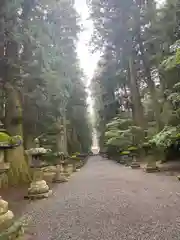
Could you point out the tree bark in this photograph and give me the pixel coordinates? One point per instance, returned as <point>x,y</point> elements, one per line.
<point>2,59</point>
<point>61,137</point>
<point>151,86</point>
<point>136,99</point>
<point>19,170</point>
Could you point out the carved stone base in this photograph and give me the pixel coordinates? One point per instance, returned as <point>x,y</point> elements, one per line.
<point>122,162</point>
<point>6,220</point>
<point>68,170</point>
<point>74,167</point>
<point>8,229</point>
<point>39,195</point>
<point>135,165</point>
<point>38,189</point>
<point>150,168</point>
<point>61,180</point>
<point>49,176</point>
<point>60,176</point>
<point>14,232</point>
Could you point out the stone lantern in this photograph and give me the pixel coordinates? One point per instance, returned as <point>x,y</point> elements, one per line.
<point>134,153</point>
<point>9,229</point>
<point>38,188</point>
<point>68,169</point>
<point>149,151</point>
<point>60,175</point>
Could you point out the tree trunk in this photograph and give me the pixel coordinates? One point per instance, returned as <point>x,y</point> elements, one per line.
<point>65,133</point>
<point>151,86</point>
<point>2,59</point>
<point>19,170</point>
<point>136,99</point>
<point>73,143</point>
<point>61,137</point>
<point>29,141</point>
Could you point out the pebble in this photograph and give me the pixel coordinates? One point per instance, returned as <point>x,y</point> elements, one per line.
<point>105,201</point>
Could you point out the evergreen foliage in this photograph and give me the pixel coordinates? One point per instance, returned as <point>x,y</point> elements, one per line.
<point>41,82</point>
<point>139,69</point>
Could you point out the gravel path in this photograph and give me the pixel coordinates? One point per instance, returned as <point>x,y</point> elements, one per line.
<point>106,201</point>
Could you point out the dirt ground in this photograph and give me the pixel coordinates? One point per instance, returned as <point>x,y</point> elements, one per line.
<point>106,201</point>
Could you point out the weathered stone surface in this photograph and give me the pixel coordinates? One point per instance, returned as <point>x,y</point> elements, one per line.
<point>60,175</point>
<point>3,206</point>
<point>135,165</point>
<point>74,167</point>
<point>8,229</point>
<point>38,183</point>
<point>13,232</point>
<point>68,169</point>
<point>39,195</point>
<point>60,178</point>
<point>39,188</point>
<point>49,169</point>
<point>3,180</point>
<point>6,220</point>
<point>152,167</point>
<point>49,176</point>
<point>122,161</point>
<point>37,174</point>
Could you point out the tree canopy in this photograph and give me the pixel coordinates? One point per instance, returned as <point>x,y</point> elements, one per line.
<point>138,70</point>
<point>42,84</point>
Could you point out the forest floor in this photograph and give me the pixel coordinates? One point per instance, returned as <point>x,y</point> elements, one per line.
<point>107,201</point>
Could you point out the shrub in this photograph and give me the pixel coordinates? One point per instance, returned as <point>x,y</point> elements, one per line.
<point>165,138</point>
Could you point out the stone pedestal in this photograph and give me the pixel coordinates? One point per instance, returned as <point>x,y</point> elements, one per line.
<point>135,164</point>
<point>125,159</point>
<point>8,228</point>
<point>60,176</point>
<point>74,166</point>
<point>4,167</point>
<point>152,167</point>
<point>68,170</point>
<point>38,188</point>
<point>49,176</point>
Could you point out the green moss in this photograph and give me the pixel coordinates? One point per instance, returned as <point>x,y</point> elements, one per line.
<point>125,153</point>
<point>5,138</point>
<point>132,148</point>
